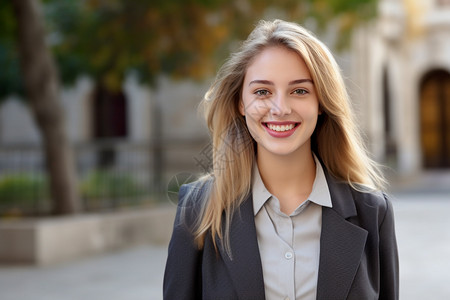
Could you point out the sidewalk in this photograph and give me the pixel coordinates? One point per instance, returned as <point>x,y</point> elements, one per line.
<point>133,274</point>
<point>423,234</point>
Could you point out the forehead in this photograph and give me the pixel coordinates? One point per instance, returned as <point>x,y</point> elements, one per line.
<point>278,64</point>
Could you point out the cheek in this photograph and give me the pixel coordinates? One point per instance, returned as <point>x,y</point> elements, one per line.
<point>314,112</point>
<point>309,111</point>
<point>255,109</point>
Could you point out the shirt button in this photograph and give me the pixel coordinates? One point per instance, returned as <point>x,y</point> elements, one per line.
<point>288,255</point>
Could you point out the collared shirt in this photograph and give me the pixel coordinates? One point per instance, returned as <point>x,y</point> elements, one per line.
<point>290,245</point>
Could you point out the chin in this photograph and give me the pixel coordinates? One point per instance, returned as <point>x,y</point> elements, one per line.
<point>280,150</point>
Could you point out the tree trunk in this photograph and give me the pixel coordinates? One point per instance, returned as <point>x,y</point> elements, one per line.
<point>42,87</point>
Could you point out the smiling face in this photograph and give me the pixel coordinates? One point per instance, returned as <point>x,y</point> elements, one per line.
<point>279,102</point>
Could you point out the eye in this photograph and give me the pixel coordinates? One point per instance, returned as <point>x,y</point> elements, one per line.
<point>262,93</point>
<point>300,92</point>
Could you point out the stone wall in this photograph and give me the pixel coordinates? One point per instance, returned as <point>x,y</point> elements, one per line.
<point>51,240</point>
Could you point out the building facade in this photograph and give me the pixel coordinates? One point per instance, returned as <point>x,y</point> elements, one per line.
<point>401,69</point>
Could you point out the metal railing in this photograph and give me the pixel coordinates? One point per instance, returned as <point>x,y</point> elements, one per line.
<point>112,174</point>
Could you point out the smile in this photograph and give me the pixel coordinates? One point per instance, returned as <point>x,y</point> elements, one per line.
<point>281,129</point>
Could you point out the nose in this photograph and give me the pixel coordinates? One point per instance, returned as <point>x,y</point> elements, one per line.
<point>280,106</point>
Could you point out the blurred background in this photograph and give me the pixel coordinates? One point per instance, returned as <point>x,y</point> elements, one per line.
<point>99,124</point>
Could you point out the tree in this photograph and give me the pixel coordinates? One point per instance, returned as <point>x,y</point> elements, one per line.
<point>42,86</point>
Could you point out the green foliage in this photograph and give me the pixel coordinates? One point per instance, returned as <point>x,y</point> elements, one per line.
<point>7,22</point>
<point>10,79</point>
<point>110,185</point>
<point>26,193</point>
<point>181,38</point>
<point>177,37</point>
<point>22,189</point>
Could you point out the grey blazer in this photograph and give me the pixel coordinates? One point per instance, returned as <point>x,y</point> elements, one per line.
<point>358,252</point>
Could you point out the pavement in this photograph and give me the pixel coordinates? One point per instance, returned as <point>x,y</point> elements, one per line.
<point>423,235</point>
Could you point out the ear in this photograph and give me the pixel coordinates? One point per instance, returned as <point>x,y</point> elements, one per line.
<point>241,107</point>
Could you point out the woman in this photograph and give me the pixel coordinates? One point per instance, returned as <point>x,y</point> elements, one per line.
<point>292,208</point>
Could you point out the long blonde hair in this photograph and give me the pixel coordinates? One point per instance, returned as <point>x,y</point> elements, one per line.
<point>335,140</point>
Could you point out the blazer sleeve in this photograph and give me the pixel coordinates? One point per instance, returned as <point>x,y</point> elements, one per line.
<point>183,266</point>
<point>389,266</point>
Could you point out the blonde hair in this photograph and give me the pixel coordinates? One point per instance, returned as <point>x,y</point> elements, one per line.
<point>335,140</point>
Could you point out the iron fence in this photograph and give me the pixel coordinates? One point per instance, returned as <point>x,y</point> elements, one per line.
<point>112,174</point>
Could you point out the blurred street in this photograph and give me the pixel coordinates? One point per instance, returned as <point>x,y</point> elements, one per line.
<point>422,220</point>
<point>107,93</point>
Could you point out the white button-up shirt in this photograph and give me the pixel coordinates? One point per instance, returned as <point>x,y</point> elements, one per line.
<point>290,245</point>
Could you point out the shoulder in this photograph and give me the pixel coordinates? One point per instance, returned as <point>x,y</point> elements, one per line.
<point>371,198</point>
<point>360,204</point>
<point>192,199</point>
<point>350,199</point>
<point>194,193</point>
<point>375,205</point>
<point>362,195</point>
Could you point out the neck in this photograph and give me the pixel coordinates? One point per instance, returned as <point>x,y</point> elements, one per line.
<point>287,175</point>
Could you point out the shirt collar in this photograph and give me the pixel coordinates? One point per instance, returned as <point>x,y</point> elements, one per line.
<point>259,191</point>
<point>320,193</point>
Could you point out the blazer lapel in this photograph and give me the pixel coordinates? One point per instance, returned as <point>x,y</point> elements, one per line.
<point>244,264</point>
<point>341,244</point>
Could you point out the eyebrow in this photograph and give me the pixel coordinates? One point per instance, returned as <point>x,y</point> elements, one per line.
<point>290,83</point>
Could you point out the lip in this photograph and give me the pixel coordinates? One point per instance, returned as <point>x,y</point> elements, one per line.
<point>281,134</point>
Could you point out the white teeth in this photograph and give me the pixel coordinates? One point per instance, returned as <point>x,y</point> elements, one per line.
<point>280,128</point>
